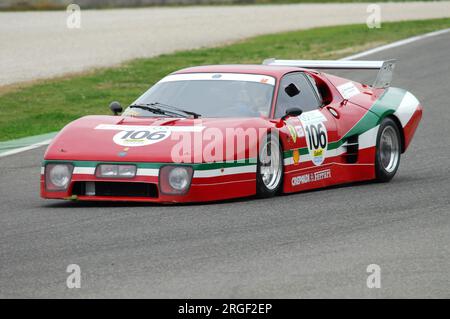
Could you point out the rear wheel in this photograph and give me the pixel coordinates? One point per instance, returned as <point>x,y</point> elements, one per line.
<point>388,151</point>
<point>269,175</point>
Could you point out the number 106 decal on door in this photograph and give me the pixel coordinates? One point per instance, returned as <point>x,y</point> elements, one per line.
<point>316,135</point>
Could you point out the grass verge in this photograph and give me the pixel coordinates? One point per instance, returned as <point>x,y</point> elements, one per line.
<point>46,106</point>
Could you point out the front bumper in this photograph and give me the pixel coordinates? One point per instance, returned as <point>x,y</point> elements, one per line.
<point>210,182</point>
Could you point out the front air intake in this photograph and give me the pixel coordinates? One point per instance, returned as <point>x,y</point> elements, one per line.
<point>117,189</point>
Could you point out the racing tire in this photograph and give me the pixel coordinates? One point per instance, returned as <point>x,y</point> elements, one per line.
<point>269,172</point>
<point>388,150</point>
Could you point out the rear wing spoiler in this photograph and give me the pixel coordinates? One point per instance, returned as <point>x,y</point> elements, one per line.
<point>384,76</point>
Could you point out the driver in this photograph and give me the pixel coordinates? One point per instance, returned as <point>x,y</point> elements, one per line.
<point>243,101</point>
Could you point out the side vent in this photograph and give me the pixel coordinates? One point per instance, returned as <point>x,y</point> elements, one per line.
<point>352,146</point>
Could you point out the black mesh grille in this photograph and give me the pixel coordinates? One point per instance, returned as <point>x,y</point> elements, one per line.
<point>351,156</point>
<point>122,189</point>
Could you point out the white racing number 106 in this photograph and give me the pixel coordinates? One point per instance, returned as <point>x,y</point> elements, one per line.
<point>317,136</point>
<point>140,137</point>
<point>137,135</point>
<point>317,141</point>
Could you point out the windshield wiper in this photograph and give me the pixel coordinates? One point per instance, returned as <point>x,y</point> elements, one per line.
<point>165,109</point>
<point>177,109</point>
<point>155,110</point>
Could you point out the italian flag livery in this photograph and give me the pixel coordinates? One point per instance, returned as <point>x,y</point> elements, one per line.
<point>362,131</point>
<point>221,158</point>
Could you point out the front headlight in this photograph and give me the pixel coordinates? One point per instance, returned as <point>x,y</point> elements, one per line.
<point>175,179</point>
<point>58,176</point>
<point>179,178</point>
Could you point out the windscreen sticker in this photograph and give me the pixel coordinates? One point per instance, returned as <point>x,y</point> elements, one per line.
<point>265,79</point>
<point>348,90</point>
<point>316,135</point>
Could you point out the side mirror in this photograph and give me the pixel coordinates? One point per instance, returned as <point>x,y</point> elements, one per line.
<point>295,111</point>
<point>115,107</point>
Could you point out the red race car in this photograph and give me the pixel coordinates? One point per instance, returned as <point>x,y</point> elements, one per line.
<point>225,131</point>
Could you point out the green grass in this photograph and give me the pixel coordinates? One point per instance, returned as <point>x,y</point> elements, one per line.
<point>47,106</point>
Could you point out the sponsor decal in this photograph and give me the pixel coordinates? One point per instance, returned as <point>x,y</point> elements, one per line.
<point>296,156</point>
<point>348,90</point>
<point>293,132</point>
<point>318,153</point>
<point>124,152</point>
<point>299,130</point>
<point>312,116</point>
<point>311,177</point>
<point>316,135</point>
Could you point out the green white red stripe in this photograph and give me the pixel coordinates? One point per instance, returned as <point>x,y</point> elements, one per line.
<point>204,170</point>
<point>398,102</point>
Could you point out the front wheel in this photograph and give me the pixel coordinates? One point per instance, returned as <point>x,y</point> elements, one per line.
<point>387,158</point>
<point>269,175</point>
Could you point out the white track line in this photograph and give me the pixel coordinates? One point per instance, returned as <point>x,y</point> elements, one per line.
<point>395,44</point>
<point>351,57</point>
<point>25,148</point>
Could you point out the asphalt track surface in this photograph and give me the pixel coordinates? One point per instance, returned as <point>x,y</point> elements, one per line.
<point>311,244</point>
<point>35,45</point>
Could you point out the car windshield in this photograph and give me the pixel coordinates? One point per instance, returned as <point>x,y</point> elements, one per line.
<point>210,95</point>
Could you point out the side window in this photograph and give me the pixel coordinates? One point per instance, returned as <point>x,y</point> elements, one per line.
<point>315,88</point>
<point>296,90</point>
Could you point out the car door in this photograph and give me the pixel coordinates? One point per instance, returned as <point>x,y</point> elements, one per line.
<point>308,161</point>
